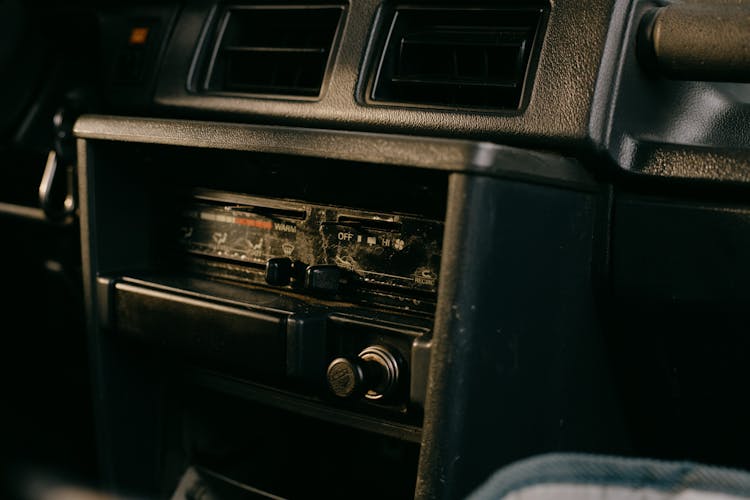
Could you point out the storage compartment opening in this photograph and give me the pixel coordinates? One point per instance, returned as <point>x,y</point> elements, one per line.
<point>289,455</point>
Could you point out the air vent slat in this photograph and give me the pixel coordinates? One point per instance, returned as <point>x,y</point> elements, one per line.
<point>457,57</point>
<point>299,50</point>
<point>456,83</point>
<point>273,50</point>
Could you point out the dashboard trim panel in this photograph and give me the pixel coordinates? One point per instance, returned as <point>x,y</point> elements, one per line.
<point>472,157</point>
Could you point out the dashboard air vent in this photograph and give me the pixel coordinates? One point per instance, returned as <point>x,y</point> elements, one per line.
<point>457,57</point>
<point>273,50</point>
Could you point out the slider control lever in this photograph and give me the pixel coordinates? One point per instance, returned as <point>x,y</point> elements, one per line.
<point>321,278</point>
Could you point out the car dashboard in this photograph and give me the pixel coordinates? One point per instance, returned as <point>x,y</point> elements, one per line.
<point>369,249</point>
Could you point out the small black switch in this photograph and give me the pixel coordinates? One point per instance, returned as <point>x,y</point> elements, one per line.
<point>323,278</point>
<point>279,271</point>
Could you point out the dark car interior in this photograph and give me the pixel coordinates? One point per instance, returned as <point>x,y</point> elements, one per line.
<point>368,248</point>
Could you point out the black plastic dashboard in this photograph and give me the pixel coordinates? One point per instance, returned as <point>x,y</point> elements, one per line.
<point>585,91</point>
<point>317,245</point>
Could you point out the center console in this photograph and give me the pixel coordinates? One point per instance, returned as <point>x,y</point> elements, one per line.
<point>279,313</point>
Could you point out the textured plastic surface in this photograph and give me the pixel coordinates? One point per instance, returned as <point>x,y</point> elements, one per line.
<point>218,334</point>
<point>557,111</point>
<point>129,72</point>
<point>517,366</point>
<point>653,126</point>
<point>681,251</point>
<point>410,151</point>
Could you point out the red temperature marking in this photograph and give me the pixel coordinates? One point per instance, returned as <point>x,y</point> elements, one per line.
<point>262,224</point>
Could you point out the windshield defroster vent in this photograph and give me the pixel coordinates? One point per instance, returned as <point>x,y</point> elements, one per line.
<point>273,50</point>
<point>460,57</point>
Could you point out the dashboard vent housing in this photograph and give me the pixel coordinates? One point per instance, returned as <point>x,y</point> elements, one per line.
<point>276,50</point>
<point>457,57</point>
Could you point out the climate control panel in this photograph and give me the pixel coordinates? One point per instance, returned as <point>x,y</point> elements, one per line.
<point>385,259</point>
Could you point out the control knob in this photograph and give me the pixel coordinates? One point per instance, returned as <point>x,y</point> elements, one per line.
<point>374,374</point>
